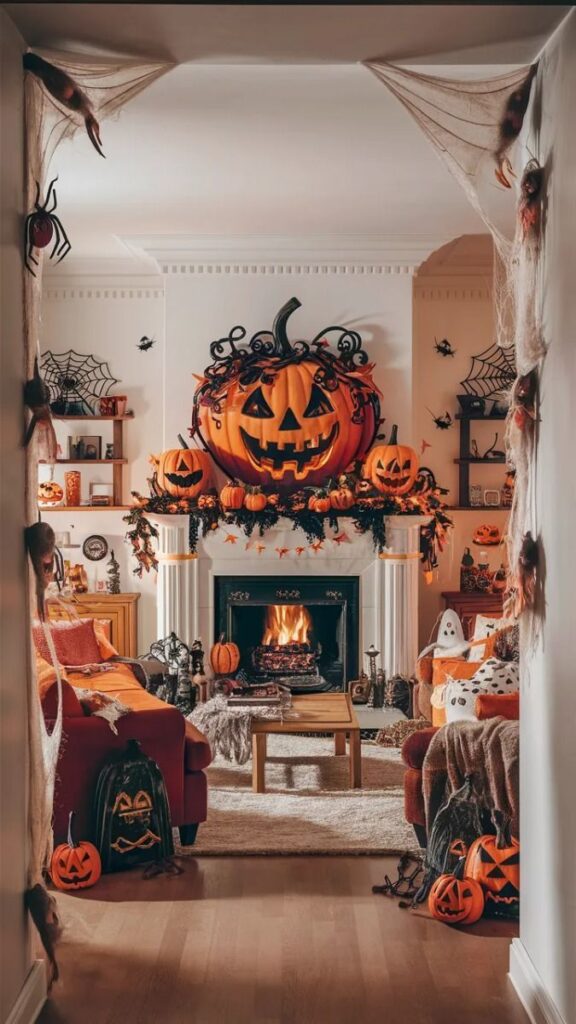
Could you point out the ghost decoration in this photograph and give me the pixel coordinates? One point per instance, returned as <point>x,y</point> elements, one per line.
<point>450,642</point>
<point>458,699</point>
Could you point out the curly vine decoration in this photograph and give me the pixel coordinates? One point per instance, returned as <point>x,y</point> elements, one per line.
<point>267,352</point>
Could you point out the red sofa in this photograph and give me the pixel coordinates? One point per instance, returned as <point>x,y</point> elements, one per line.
<point>179,749</point>
<point>414,751</point>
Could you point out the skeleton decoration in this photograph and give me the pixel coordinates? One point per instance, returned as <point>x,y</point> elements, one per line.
<point>67,92</point>
<point>40,544</point>
<point>37,399</point>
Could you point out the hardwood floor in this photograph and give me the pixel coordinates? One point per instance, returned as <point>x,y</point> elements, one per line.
<point>272,940</point>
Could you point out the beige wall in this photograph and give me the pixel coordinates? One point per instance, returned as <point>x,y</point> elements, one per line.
<point>14,952</point>
<point>548,744</point>
<point>453,299</point>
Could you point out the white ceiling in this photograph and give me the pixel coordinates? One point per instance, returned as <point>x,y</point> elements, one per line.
<point>287,137</point>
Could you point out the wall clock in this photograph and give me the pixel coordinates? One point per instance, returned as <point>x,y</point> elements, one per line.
<point>95,548</point>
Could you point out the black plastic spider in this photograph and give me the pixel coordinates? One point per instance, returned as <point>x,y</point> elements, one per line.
<point>444,348</point>
<point>40,227</point>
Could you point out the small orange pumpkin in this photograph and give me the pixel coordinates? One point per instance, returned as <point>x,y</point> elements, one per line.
<point>391,468</point>
<point>341,498</point>
<point>232,496</point>
<point>182,472</point>
<point>496,869</point>
<point>319,503</point>
<point>224,657</point>
<point>454,899</point>
<point>255,501</point>
<point>207,501</point>
<point>272,500</point>
<point>75,865</point>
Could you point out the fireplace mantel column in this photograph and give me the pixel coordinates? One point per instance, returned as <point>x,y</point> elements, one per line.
<point>177,604</point>
<point>400,566</point>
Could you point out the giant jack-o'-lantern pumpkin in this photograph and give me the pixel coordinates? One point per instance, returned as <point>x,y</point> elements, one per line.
<point>280,414</point>
<point>391,468</point>
<point>182,472</point>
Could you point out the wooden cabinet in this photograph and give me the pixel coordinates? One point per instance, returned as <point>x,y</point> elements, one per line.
<point>119,610</point>
<point>468,605</point>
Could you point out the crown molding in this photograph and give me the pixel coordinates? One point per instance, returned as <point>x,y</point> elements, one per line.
<point>279,254</point>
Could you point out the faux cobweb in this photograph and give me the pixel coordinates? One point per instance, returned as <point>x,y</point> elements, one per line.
<point>76,381</point>
<point>492,373</point>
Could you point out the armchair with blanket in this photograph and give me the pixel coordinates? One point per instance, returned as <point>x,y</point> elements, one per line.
<point>90,669</point>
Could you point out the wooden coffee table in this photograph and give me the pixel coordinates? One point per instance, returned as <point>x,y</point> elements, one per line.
<point>331,713</point>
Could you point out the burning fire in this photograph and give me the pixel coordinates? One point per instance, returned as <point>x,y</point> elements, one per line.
<point>286,624</point>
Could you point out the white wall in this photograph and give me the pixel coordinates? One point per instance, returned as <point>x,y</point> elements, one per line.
<point>548,747</point>
<point>453,300</point>
<point>95,315</point>
<point>107,318</point>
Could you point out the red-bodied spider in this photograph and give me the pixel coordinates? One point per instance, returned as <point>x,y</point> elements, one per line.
<point>40,227</point>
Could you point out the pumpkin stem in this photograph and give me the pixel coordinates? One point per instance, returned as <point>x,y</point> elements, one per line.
<point>393,439</point>
<point>459,869</point>
<point>221,640</point>
<point>71,841</point>
<point>279,326</point>
<point>182,441</point>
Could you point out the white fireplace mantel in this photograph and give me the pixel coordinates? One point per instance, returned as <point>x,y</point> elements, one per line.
<point>388,582</point>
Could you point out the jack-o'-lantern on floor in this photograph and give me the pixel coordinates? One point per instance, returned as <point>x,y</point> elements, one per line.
<point>286,415</point>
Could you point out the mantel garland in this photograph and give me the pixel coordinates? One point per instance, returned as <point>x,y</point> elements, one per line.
<point>367,515</point>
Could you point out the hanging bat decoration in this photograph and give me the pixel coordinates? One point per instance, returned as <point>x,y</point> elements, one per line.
<point>423,446</point>
<point>444,348</point>
<point>522,593</point>
<point>510,127</point>
<point>442,422</point>
<point>67,92</point>
<point>41,546</point>
<point>146,343</point>
<point>37,400</point>
<point>523,403</point>
<point>41,226</point>
<point>530,198</point>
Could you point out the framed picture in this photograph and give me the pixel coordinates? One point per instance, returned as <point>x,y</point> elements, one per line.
<point>83,447</point>
<point>101,494</point>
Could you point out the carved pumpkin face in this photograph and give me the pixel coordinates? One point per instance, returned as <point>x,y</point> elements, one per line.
<point>75,865</point>
<point>285,416</point>
<point>497,870</point>
<point>391,468</point>
<point>182,472</point>
<point>288,432</point>
<point>49,493</point>
<point>456,900</point>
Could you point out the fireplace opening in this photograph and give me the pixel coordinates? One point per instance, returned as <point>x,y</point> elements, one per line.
<point>303,635</point>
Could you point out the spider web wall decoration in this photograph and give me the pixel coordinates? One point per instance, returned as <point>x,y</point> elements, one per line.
<point>492,373</point>
<point>76,382</point>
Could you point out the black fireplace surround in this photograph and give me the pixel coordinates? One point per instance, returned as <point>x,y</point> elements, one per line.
<point>331,601</point>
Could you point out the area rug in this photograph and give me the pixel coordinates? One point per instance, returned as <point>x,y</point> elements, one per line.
<point>308,807</point>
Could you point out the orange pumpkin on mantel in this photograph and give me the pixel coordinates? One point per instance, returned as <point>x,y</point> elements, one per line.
<point>75,865</point>
<point>232,496</point>
<point>391,468</point>
<point>284,415</point>
<point>341,498</point>
<point>319,503</point>
<point>255,501</point>
<point>182,472</point>
<point>224,657</point>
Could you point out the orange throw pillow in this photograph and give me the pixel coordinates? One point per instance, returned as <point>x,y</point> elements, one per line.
<point>506,705</point>
<point>107,650</point>
<point>75,642</point>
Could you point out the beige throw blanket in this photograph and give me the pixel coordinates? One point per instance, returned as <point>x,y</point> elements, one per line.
<point>488,751</point>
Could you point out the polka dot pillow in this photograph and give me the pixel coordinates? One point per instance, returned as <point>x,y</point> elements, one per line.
<point>495,676</point>
<point>458,699</point>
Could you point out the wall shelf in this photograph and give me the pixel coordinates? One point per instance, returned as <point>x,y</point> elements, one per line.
<point>117,463</point>
<point>478,416</point>
<point>466,460</point>
<point>486,462</point>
